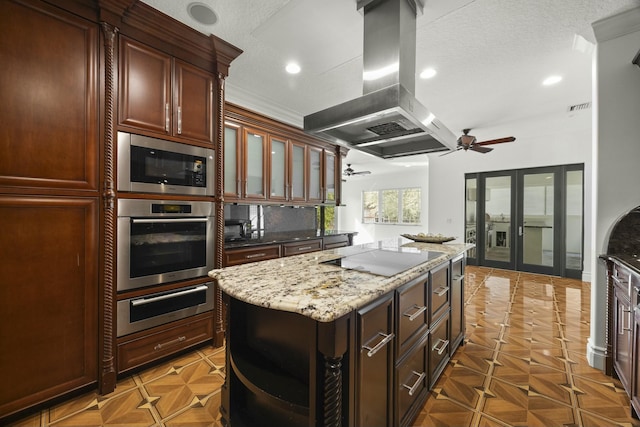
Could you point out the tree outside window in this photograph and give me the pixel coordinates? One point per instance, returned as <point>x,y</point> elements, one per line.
<point>392,206</point>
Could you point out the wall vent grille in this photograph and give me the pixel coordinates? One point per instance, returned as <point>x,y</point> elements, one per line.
<point>578,107</point>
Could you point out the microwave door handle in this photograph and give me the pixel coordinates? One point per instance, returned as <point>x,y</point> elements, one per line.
<point>143,301</point>
<point>157,220</point>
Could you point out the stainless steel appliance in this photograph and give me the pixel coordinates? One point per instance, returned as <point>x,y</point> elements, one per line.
<point>153,165</point>
<point>137,314</point>
<point>162,241</point>
<point>384,262</point>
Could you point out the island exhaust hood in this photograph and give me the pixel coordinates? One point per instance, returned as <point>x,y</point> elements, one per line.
<point>386,121</point>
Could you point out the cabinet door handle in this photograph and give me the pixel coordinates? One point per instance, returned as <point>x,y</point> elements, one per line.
<point>172,342</point>
<point>166,117</point>
<point>458,277</point>
<point>179,119</point>
<point>443,345</point>
<point>441,290</point>
<point>376,348</point>
<point>412,389</point>
<point>305,248</point>
<point>418,312</point>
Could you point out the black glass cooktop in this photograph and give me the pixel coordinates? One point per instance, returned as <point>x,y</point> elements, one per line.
<point>384,262</point>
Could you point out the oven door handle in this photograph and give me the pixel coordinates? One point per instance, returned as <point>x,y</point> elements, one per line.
<point>143,301</point>
<point>157,220</point>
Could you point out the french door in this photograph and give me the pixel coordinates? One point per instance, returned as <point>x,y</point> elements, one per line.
<point>527,220</point>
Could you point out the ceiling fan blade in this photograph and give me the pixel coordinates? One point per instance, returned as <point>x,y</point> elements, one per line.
<point>496,141</point>
<point>479,149</point>
<point>452,151</point>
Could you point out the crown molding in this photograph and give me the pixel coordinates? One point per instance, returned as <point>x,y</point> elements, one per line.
<point>617,25</point>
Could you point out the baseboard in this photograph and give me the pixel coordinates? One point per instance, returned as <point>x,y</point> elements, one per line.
<point>596,356</point>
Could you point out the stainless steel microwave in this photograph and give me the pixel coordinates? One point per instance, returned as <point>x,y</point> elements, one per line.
<point>151,165</point>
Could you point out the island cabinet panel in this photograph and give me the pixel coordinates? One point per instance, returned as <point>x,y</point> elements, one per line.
<point>457,303</point>
<point>412,383</point>
<point>49,85</point>
<point>333,242</point>
<point>413,320</point>
<point>374,381</point>
<point>163,95</point>
<point>439,292</point>
<point>48,298</point>
<point>438,347</point>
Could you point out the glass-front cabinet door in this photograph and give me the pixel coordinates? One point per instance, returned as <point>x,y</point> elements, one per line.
<point>298,172</point>
<point>232,161</point>
<point>255,158</point>
<point>315,174</point>
<point>329,177</point>
<point>278,160</point>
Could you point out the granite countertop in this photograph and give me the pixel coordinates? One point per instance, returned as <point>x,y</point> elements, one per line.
<point>282,237</point>
<point>323,292</point>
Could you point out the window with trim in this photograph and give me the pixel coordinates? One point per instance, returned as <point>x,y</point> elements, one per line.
<point>392,206</point>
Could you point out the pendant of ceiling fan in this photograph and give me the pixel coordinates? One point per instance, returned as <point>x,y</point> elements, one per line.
<point>349,171</point>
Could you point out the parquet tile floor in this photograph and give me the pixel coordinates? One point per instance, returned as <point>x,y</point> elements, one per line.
<point>523,364</point>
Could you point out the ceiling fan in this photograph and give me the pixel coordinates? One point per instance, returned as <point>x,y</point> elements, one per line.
<point>469,142</point>
<point>349,171</point>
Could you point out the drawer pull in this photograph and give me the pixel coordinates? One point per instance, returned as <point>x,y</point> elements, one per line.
<point>412,389</point>
<point>305,248</point>
<point>458,277</point>
<point>443,345</point>
<point>619,281</point>
<point>172,342</point>
<point>255,255</point>
<point>384,341</point>
<point>441,290</point>
<point>418,312</point>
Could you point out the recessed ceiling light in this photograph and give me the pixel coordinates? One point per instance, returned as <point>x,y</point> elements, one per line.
<point>292,68</point>
<point>202,13</point>
<point>551,80</point>
<point>427,73</point>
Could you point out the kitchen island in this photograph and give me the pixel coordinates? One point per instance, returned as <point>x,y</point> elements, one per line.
<point>312,343</point>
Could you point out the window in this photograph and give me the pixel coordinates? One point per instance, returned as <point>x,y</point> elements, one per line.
<point>392,206</point>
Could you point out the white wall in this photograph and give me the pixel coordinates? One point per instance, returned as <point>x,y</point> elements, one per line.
<point>350,216</point>
<point>616,149</point>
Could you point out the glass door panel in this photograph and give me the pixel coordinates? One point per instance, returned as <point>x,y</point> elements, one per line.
<point>471,215</point>
<point>231,175</point>
<point>574,201</point>
<point>254,161</point>
<point>330,177</point>
<point>538,219</point>
<point>298,171</point>
<point>497,219</point>
<point>315,174</point>
<point>278,169</point>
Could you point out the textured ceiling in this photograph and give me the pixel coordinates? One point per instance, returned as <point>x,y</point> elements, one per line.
<point>491,55</point>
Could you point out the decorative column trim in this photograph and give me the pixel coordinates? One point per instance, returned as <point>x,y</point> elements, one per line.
<point>332,398</point>
<point>108,374</point>
<point>219,326</point>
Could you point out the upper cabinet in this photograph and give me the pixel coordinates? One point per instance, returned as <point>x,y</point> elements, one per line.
<point>284,165</point>
<point>245,160</point>
<point>164,95</point>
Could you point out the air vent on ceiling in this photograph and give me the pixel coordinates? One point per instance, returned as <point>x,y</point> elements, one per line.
<point>578,107</point>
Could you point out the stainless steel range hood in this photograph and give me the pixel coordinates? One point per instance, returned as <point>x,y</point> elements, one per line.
<point>387,121</point>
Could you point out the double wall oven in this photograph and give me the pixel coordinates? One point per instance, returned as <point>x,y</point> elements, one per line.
<point>162,242</point>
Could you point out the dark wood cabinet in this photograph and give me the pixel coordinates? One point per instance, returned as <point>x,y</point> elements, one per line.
<point>337,241</point>
<point>49,84</point>
<point>622,337</point>
<point>48,298</point>
<point>374,386</point>
<point>163,95</point>
<point>302,247</point>
<point>141,348</point>
<point>252,254</point>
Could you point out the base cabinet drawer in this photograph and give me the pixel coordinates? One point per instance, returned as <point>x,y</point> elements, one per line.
<point>246,255</point>
<point>412,384</point>
<point>438,348</point>
<point>303,247</point>
<point>439,292</point>
<point>332,242</point>
<point>138,349</point>
<point>412,313</point>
